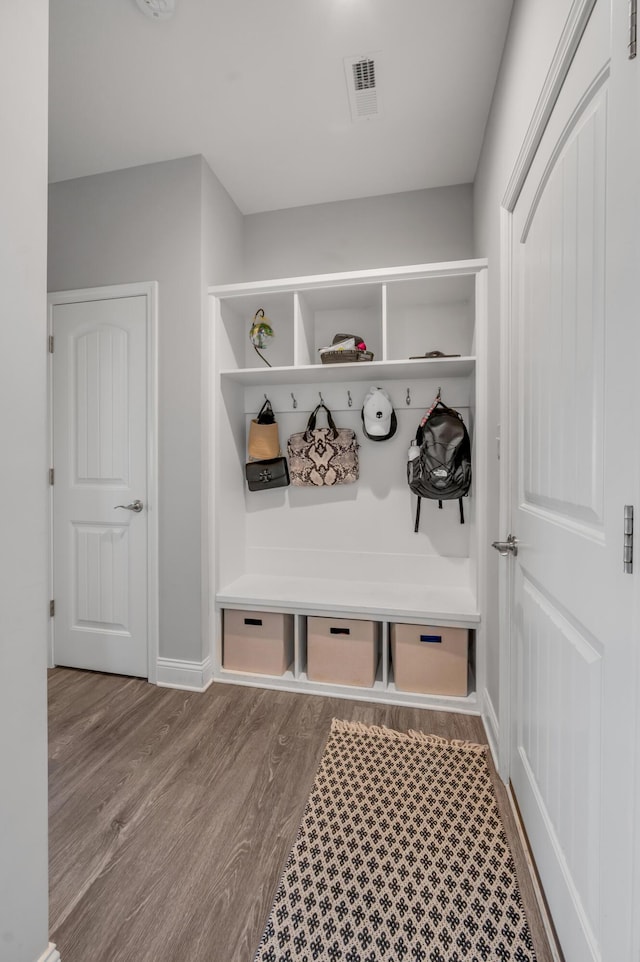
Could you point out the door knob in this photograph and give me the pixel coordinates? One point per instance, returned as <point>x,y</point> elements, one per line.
<point>136,506</point>
<point>510,546</point>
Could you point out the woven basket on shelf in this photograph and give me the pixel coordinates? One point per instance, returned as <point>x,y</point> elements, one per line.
<point>346,357</point>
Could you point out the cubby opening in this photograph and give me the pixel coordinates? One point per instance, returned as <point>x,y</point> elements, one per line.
<point>327,312</point>
<point>237,314</point>
<point>430,314</point>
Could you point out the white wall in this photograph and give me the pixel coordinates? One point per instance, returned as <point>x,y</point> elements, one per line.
<point>150,223</point>
<point>23,542</point>
<point>222,232</point>
<point>534,32</point>
<point>416,227</point>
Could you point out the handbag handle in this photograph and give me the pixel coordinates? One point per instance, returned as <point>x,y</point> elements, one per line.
<point>311,423</point>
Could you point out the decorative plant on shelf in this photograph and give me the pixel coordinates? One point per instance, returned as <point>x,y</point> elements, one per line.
<point>260,333</point>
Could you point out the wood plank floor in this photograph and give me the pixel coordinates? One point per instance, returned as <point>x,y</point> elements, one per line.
<point>172,813</point>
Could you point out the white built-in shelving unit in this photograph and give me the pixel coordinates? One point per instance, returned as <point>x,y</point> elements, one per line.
<point>349,551</point>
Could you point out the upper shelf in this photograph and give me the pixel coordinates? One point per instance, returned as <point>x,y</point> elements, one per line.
<point>358,371</point>
<point>400,314</point>
<point>346,278</point>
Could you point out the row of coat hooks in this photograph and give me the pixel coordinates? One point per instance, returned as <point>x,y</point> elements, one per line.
<point>408,399</point>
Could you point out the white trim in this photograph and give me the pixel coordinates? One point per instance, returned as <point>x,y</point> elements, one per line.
<point>378,694</point>
<point>491,725</point>
<point>213,621</point>
<point>567,900</point>
<point>636,838</point>
<point>153,500</point>
<point>562,58</point>
<point>51,626</point>
<point>506,427</point>
<point>635,882</point>
<point>50,954</point>
<point>480,427</point>
<point>552,939</point>
<point>206,488</point>
<point>148,289</point>
<point>185,675</point>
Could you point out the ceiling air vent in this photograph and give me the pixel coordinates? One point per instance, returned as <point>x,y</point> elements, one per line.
<point>362,75</point>
<point>157,9</point>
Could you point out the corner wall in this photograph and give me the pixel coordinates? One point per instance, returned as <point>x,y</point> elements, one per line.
<point>148,223</point>
<point>23,543</point>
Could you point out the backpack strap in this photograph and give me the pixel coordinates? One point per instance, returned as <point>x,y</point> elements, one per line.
<point>417,524</point>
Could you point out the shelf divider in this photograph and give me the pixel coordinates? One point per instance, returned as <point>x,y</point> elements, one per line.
<point>303,335</point>
<point>385,325</point>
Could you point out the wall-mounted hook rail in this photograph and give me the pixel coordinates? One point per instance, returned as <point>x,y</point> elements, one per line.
<point>295,403</point>
<point>426,405</point>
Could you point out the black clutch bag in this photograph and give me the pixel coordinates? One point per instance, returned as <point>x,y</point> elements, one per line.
<point>273,473</point>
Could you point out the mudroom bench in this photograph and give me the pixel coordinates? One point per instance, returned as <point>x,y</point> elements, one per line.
<point>330,590</point>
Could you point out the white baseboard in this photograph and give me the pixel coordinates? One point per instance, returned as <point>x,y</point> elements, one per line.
<point>186,675</point>
<point>50,955</point>
<point>492,726</point>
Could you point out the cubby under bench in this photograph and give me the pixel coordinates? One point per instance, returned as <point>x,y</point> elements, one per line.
<point>351,641</point>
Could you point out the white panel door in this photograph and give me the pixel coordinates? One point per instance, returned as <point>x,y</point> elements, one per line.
<point>100,459</point>
<point>572,606</point>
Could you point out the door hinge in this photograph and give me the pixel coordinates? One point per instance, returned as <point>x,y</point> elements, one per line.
<point>51,475</point>
<point>52,608</point>
<point>628,539</point>
<point>633,28</point>
<point>51,344</point>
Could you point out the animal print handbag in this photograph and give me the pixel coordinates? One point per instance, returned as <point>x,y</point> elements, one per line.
<point>323,456</point>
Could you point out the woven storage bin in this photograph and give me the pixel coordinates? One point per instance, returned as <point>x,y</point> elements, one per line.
<point>342,651</point>
<point>430,659</point>
<point>260,642</point>
<point>346,357</point>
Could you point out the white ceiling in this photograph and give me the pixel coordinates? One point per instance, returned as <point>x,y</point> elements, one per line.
<point>258,87</point>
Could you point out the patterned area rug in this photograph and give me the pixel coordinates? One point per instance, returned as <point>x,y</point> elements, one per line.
<point>401,855</point>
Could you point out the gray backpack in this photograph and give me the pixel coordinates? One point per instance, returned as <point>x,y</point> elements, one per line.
<point>441,466</point>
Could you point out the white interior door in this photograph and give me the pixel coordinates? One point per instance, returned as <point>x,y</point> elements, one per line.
<point>573,351</point>
<point>99,427</point>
